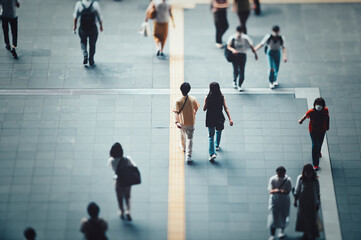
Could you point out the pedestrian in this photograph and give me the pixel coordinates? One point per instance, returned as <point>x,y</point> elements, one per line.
<point>160,28</point>
<point>185,110</point>
<point>89,13</point>
<point>319,124</point>
<point>238,44</point>
<point>307,193</point>
<point>9,17</point>
<point>279,187</point>
<point>243,9</point>
<point>117,161</point>
<point>29,233</point>
<point>94,228</point>
<point>214,104</point>
<point>257,7</point>
<point>274,42</point>
<point>219,11</point>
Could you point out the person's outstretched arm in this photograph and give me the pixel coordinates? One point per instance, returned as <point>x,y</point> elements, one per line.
<point>171,16</point>
<point>302,119</point>
<point>227,111</point>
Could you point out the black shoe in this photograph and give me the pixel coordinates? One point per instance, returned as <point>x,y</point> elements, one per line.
<point>7,46</point>
<point>158,53</point>
<point>129,218</point>
<point>122,216</point>
<point>85,61</point>
<point>14,53</point>
<point>161,54</point>
<point>91,62</point>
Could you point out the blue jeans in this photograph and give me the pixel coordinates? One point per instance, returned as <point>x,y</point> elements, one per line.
<point>211,132</point>
<point>274,59</point>
<point>317,140</point>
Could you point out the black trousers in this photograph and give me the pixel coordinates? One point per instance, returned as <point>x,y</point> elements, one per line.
<point>317,140</point>
<point>14,30</point>
<point>92,35</point>
<point>239,63</point>
<point>221,23</point>
<point>243,16</point>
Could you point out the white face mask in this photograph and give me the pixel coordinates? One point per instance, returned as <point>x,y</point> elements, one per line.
<point>318,107</point>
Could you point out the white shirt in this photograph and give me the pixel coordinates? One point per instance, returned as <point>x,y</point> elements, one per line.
<point>240,44</point>
<point>79,8</point>
<point>272,45</point>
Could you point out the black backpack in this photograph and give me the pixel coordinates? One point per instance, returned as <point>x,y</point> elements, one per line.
<point>87,17</point>
<point>274,39</point>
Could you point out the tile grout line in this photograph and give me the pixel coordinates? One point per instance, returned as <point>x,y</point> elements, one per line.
<point>176,178</point>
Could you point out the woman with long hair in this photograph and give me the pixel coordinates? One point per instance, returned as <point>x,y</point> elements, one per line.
<point>307,194</point>
<point>118,160</point>
<point>214,103</point>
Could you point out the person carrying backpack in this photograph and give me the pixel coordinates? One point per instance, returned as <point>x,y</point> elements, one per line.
<point>274,42</point>
<point>89,13</point>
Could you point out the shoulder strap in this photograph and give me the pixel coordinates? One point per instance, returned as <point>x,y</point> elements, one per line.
<point>284,181</point>
<point>183,105</point>
<point>269,39</point>
<point>90,6</point>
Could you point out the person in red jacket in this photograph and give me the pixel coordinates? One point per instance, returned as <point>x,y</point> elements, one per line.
<point>319,124</point>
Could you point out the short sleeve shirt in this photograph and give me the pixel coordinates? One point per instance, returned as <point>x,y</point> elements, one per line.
<point>162,9</point>
<point>187,116</point>
<point>241,44</point>
<point>273,45</point>
<point>275,182</point>
<point>79,8</point>
<point>319,121</point>
<point>8,8</point>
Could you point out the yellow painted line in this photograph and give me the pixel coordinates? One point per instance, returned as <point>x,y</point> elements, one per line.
<point>176,184</point>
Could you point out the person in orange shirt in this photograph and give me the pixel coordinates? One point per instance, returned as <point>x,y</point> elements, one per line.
<point>185,110</point>
<point>319,124</point>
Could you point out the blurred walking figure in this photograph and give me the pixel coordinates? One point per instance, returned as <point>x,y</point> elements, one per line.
<point>214,104</point>
<point>279,187</point>
<point>89,13</point>
<point>163,12</point>
<point>243,9</point>
<point>29,233</point>
<point>274,43</point>
<point>118,161</point>
<point>238,44</point>
<point>257,7</point>
<point>185,110</point>
<point>219,10</point>
<point>319,124</point>
<point>94,228</point>
<point>307,193</point>
<point>9,16</point>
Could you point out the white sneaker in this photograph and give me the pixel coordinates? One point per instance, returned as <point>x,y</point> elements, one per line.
<point>217,148</point>
<point>271,86</point>
<point>188,159</point>
<point>275,83</point>
<point>281,235</point>
<point>271,238</point>
<point>240,89</point>
<point>234,85</point>
<point>219,45</point>
<point>211,158</point>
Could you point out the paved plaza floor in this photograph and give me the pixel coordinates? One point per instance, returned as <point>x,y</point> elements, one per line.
<point>58,121</point>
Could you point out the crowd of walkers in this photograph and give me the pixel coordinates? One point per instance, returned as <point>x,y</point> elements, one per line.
<point>306,191</point>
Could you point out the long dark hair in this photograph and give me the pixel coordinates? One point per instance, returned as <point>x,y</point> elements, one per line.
<point>116,151</point>
<point>312,176</point>
<point>214,90</point>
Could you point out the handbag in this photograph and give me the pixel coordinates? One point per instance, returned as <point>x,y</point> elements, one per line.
<point>152,13</point>
<point>228,53</point>
<point>144,29</point>
<point>127,175</point>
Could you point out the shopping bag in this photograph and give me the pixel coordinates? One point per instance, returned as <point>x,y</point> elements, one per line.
<point>144,29</point>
